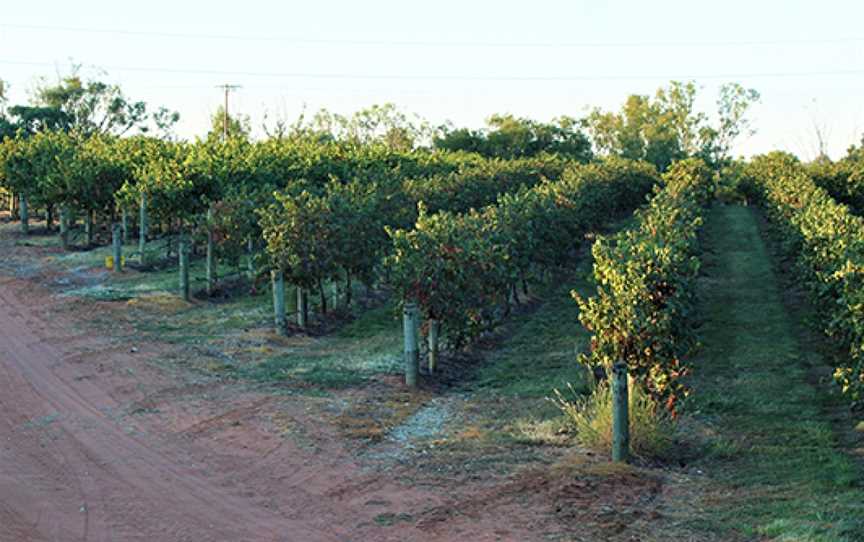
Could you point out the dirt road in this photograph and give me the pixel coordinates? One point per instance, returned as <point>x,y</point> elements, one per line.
<point>97,444</point>
<point>70,472</point>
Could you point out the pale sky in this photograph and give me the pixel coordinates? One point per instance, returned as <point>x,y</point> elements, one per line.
<point>457,60</point>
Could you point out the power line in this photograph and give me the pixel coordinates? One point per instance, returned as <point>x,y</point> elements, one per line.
<point>457,77</point>
<point>425,43</point>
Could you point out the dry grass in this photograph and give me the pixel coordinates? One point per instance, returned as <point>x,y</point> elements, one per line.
<point>552,432</point>
<point>652,431</point>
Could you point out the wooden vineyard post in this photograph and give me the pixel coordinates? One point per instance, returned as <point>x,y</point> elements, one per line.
<point>250,263</point>
<point>64,226</point>
<point>88,227</point>
<point>620,414</point>
<point>434,328</point>
<point>278,283</point>
<point>117,246</point>
<point>302,308</point>
<point>183,251</point>
<point>334,292</point>
<point>278,280</point>
<point>24,213</point>
<point>412,355</point>
<point>124,221</point>
<point>142,230</point>
<point>349,293</point>
<point>211,254</point>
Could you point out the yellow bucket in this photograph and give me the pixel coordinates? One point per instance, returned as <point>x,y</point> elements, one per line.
<point>109,262</point>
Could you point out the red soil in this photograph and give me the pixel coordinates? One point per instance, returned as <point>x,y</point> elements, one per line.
<point>98,445</point>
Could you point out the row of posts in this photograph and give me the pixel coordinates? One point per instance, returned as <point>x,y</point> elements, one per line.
<point>411,335</point>
<point>23,210</point>
<point>410,319</point>
<point>119,235</point>
<point>123,226</point>
<point>280,318</point>
<point>411,352</point>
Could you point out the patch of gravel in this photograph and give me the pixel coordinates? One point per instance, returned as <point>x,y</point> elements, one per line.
<point>26,271</point>
<point>86,282</point>
<point>427,423</point>
<point>413,436</point>
<point>18,269</point>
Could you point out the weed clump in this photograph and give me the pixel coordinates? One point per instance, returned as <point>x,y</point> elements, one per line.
<point>652,428</point>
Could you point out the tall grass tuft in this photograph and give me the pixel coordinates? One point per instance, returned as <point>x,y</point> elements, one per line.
<point>652,429</point>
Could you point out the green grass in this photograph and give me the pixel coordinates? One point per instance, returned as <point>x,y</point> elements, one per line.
<point>368,346</point>
<point>39,240</point>
<point>536,355</point>
<point>777,463</point>
<point>539,354</point>
<point>133,284</point>
<point>236,337</point>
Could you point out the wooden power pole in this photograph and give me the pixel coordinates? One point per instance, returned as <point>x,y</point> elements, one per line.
<point>227,88</point>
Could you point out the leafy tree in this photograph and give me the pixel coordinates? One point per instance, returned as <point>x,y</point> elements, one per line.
<point>338,233</point>
<point>239,126</point>
<point>7,128</point>
<point>666,127</point>
<point>16,166</point>
<point>645,129</point>
<point>277,126</point>
<point>384,123</point>
<point>299,234</point>
<point>376,124</point>
<point>164,120</point>
<point>507,136</point>
<point>460,139</point>
<point>90,106</point>
<point>28,119</point>
<point>359,237</point>
<point>732,106</point>
<point>35,119</point>
<point>855,153</point>
<point>178,190</point>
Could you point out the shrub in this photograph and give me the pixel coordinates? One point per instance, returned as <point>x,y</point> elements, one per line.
<point>461,268</point>
<point>645,275</point>
<point>826,241</point>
